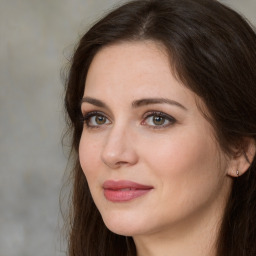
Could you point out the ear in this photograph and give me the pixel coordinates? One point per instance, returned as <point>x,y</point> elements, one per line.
<point>241,161</point>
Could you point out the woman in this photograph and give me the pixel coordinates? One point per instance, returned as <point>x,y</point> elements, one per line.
<point>161,97</point>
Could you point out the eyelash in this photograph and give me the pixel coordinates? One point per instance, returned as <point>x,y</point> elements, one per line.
<point>87,118</point>
<point>171,120</point>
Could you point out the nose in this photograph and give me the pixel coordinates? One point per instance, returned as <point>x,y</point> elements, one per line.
<point>119,149</point>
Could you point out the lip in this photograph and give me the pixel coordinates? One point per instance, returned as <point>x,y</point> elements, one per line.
<point>124,190</point>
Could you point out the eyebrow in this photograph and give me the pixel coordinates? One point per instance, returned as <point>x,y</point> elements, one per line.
<point>150,101</point>
<point>136,103</point>
<point>95,102</point>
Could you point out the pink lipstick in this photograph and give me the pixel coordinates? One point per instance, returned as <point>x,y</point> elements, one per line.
<point>124,190</point>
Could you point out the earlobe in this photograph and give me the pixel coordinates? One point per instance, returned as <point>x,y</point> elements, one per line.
<point>234,173</point>
<point>241,162</point>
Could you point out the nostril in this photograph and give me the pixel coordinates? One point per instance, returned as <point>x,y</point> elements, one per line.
<point>114,164</point>
<point>121,163</point>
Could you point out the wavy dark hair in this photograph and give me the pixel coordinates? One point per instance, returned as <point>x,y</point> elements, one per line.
<point>212,50</point>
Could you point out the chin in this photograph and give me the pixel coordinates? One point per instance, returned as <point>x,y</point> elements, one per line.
<point>125,226</point>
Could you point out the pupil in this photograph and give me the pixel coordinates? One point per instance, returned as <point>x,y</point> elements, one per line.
<point>158,120</point>
<point>100,119</point>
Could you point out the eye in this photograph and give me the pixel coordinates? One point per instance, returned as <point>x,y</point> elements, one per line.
<point>158,120</point>
<point>95,119</point>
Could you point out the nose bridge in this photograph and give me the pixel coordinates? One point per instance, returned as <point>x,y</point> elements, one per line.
<point>119,148</point>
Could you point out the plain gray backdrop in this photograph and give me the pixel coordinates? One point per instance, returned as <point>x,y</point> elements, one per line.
<point>36,37</point>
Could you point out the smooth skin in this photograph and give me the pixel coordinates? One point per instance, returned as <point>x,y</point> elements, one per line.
<point>165,143</point>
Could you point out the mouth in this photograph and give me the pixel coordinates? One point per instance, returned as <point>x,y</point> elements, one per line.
<point>123,190</point>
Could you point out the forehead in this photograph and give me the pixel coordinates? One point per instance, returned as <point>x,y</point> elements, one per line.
<point>131,58</point>
<point>132,66</point>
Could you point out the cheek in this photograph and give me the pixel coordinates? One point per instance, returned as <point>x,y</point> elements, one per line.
<point>185,164</point>
<point>89,156</point>
<point>187,175</point>
<point>180,153</point>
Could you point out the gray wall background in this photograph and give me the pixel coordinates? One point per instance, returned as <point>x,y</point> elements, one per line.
<point>35,38</point>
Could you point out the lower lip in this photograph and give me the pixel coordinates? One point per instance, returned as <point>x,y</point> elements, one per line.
<point>124,195</point>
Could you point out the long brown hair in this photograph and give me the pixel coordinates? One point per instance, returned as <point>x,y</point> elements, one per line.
<point>212,50</point>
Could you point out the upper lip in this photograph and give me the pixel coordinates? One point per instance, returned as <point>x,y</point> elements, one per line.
<point>124,184</point>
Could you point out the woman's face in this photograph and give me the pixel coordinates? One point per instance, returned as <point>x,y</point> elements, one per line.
<point>149,156</point>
